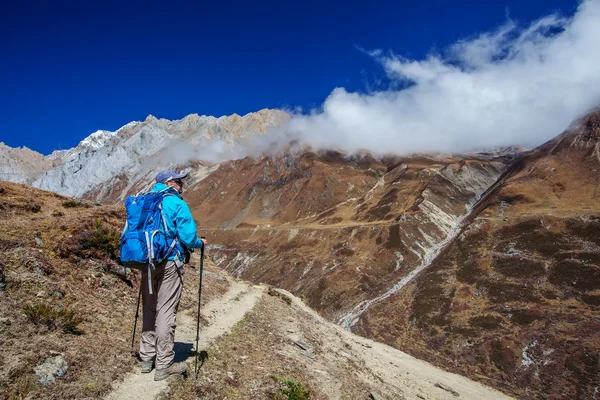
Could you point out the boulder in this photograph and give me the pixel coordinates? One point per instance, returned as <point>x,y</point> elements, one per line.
<point>52,368</point>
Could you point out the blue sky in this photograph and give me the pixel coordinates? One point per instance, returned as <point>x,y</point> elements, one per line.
<point>70,68</point>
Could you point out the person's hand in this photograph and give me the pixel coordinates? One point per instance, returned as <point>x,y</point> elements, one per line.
<point>204,242</point>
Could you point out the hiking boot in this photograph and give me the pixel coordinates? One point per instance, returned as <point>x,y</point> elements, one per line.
<point>175,369</point>
<point>147,366</point>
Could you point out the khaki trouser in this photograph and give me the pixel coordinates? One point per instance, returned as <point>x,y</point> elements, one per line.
<point>160,311</point>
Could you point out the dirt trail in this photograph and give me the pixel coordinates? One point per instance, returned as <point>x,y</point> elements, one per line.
<point>223,313</point>
<point>392,373</point>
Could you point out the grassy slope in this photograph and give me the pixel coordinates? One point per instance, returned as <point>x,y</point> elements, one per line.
<point>66,268</point>
<point>515,302</point>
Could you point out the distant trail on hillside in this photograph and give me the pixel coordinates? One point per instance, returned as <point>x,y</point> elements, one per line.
<point>348,320</point>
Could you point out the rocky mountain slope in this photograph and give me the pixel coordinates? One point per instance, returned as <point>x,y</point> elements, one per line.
<point>318,223</point>
<point>484,265</point>
<point>22,165</point>
<point>106,166</point>
<point>515,300</point>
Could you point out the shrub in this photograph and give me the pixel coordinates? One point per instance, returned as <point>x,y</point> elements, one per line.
<point>292,390</point>
<point>53,318</point>
<point>74,203</point>
<point>101,239</point>
<point>33,207</point>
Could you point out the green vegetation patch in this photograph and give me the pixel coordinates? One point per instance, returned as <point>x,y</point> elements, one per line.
<point>101,239</point>
<point>291,390</point>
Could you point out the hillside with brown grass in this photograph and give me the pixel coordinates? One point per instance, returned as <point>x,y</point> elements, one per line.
<point>335,229</point>
<point>62,296</point>
<point>62,293</point>
<point>504,251</point>
<point>515,301</point>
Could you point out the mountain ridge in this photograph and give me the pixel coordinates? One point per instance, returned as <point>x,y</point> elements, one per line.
<point>131,153</point>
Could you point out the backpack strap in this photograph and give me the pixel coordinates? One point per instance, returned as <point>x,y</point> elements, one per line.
<point>150,261</point>
<point>164,220</point>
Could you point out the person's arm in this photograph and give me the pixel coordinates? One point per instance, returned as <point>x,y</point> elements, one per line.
<point>186,227</point>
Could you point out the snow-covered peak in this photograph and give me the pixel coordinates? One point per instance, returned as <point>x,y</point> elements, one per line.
<point>97,139</point>
<point>100,138</point>
<point>128,125</point>
<point>59,154</point>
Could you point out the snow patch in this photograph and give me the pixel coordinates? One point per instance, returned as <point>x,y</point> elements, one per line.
<point>399,259</point>
<point>526,358</point>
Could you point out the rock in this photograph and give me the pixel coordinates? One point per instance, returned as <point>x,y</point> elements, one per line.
<point>303,345</point>
<point>447,389</point>
<point>52,368</point>
<point>2,278</point>
<point>231,375</point>
<point>346,355</point>
<point>374,396</point>
<point>39,241</point>
<point>5,321</point>
<point>282,294</point>
<point>121,273</point>
<point>309,355</point>
<point>243,357</point>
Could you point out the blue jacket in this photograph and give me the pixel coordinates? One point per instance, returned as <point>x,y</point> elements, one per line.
<point>179,220</point>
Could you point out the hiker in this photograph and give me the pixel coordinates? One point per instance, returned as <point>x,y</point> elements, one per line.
<point>162,290</point>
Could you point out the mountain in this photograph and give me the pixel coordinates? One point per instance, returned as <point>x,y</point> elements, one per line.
<point>22,165</point>
<point>487,265</point>
<point>106,165</point>
<point>515,299</point>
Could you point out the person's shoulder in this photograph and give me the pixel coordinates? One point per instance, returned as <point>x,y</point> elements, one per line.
<point>172,198</point>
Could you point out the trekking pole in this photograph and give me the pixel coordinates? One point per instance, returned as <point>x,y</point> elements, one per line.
<point>199,297</point>
<point>137,312</point>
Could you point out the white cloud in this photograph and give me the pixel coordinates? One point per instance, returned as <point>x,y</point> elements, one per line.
<point>508,86</point>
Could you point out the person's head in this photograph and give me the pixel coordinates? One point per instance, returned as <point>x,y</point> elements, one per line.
<point>171,179</point>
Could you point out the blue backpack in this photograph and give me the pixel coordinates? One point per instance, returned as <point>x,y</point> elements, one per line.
<point>144,240</point>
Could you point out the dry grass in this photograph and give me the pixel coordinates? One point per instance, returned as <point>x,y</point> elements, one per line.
<point>54,263</point>
<point>334,236</point>
<point>257,360</point>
